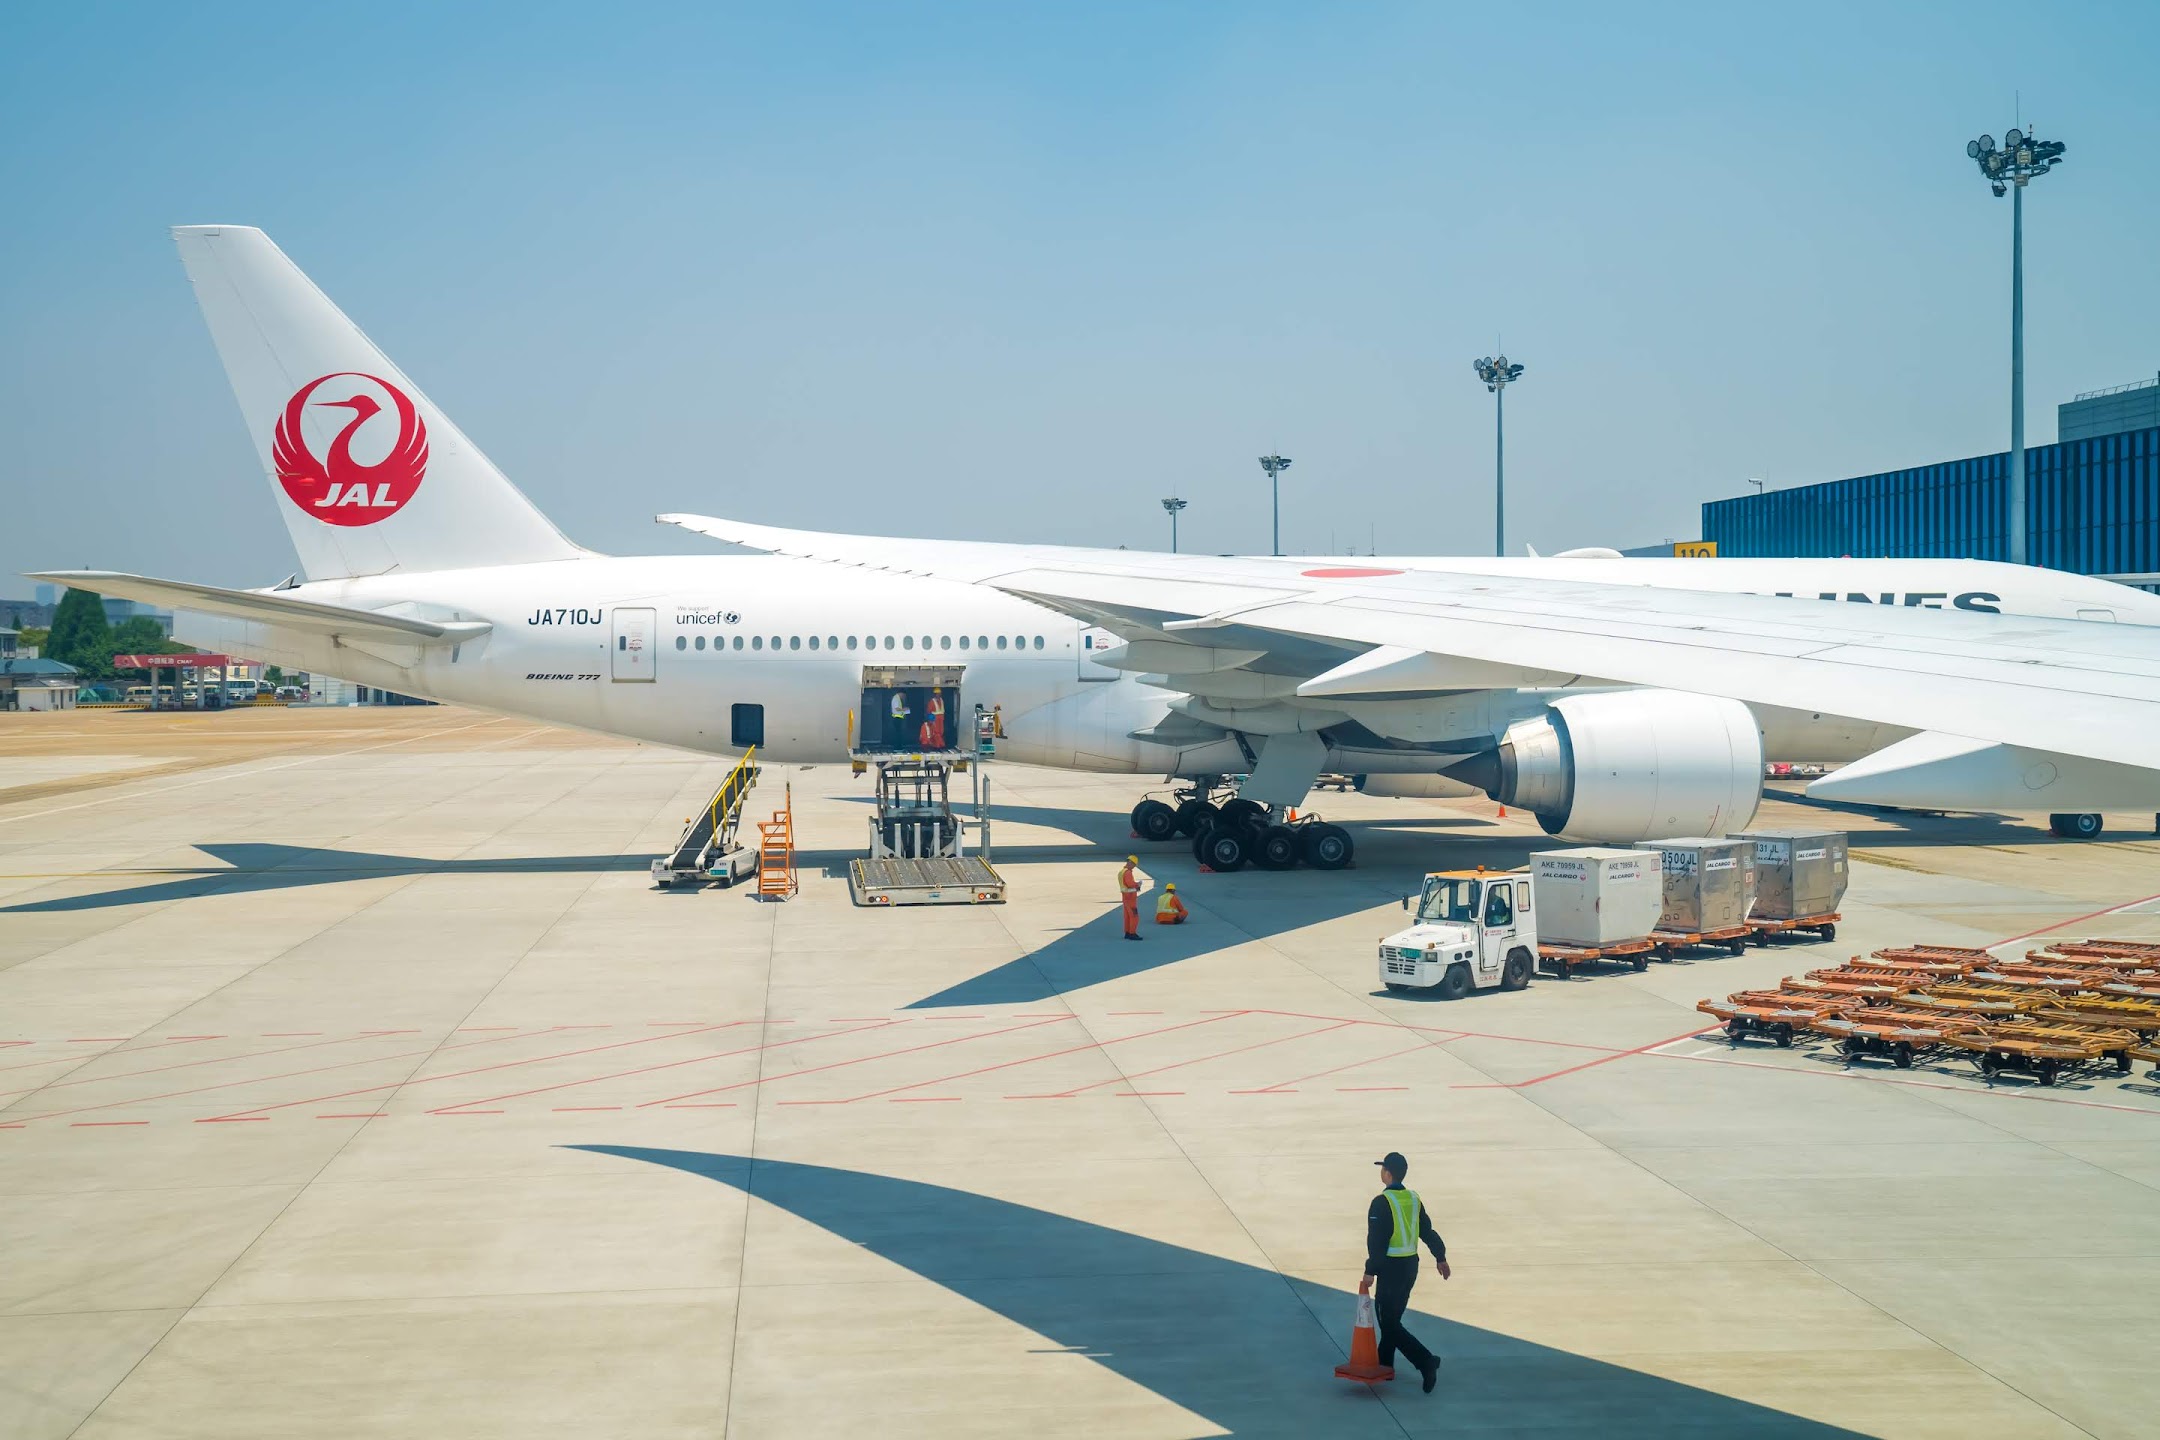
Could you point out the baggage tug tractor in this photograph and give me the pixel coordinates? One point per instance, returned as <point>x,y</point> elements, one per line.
<point>1475,930</point>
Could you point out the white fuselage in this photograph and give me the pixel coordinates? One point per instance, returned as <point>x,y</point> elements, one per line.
<point>792,637</point>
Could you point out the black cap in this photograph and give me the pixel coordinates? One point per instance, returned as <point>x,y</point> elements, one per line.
<point>1394,1164</point>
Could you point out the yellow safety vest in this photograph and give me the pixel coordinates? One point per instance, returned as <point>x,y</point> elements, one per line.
<point>1404,1204</point>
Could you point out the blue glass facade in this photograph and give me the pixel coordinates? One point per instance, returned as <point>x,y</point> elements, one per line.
<point>2092,506</point>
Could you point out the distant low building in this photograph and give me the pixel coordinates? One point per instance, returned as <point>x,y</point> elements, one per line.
<point>28,682</point>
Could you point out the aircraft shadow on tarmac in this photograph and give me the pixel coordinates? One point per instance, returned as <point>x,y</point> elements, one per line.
<point>251,868</point>
<point>1248,1349</point>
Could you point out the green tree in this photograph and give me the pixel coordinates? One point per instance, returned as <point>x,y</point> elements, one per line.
<point>80,636</point>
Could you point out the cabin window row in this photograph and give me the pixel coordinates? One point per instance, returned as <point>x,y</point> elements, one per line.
<point>862,642</point>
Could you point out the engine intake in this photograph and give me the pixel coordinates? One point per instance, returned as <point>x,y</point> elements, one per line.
<point>1626,765</point>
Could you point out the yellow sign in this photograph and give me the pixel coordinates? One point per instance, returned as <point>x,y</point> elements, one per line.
<point>1695,549</point>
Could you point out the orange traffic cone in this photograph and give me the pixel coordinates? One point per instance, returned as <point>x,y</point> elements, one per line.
<point>1364,1362</point>
<point>1503,812</point>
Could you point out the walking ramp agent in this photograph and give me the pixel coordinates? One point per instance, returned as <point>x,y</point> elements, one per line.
<point>710,848</point>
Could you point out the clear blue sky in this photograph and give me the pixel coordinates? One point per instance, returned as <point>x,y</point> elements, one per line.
<point>1018,271</point>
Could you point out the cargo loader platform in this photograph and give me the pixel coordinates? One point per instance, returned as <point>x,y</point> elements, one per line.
<point>946,880</point>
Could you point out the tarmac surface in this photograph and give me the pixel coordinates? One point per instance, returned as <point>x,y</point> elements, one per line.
<point>354,1081</point>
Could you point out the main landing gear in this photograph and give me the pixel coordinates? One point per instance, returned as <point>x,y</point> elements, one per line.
<point>1234,833</point>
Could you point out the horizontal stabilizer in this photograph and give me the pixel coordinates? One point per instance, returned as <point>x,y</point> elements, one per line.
<point>311,617</point>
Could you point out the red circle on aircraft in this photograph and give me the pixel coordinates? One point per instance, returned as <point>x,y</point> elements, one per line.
<point>1346,572</point>
<point>335,488</point>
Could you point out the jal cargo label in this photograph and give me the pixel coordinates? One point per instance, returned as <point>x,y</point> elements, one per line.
<point>1811,855</point>
<point>350,448</point>
<point>1725,864</point>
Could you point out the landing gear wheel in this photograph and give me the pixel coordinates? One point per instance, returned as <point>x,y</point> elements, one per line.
<point>1455,984</point>
<point>1326,847</point>
<point>1153,820</point>
<point>1194,816</point>
<point>2075,827</point>
<point>1242,812</point>
<point>1224,847</point>
<point>1277,848</point>
<point>1515,974</point>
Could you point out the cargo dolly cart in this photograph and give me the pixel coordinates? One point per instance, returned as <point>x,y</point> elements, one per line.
<point>1963,959</point>
<point>2046,1053</point>
<point>1825,927</point>
<point>1897,1038</point>
<point>1853,989</point>
<point>1870,972</point>
<point>1774,1015</point>
<point>710,847</point>
<point>1564,960</point>
<point>2145,950</point>
<point>914,740</point>
<point>2115,967</point>
<point>1667,943</point>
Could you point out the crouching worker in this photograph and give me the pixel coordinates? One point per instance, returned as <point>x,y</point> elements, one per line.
<point>1169,910</point>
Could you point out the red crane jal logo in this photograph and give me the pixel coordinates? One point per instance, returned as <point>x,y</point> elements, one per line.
<point>336,488</point>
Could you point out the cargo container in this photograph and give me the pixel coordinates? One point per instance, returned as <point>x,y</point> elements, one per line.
<point>1798,873</point>
<point>1709,884</point>
<point>1596,896</point>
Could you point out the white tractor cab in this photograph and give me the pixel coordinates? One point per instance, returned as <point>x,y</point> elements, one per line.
<point>1475,930</point>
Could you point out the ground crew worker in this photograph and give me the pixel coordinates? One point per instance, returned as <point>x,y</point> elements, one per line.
<point>1169,910</point>
<point>1394,1224</point>
<point>1128,884</point>
<point>896,729</point>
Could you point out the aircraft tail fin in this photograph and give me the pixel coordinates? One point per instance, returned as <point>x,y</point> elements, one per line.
<point>367,473</point>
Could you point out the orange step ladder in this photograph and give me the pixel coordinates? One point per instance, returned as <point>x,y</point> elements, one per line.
<point>776,878</point>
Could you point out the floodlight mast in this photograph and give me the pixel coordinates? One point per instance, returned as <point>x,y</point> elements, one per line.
<point>2021,160</point>
<point>1173,504</point>
<point>1275,465</point>
<point>1497,374</point>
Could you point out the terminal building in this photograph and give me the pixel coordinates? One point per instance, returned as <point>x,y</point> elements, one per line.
<point>2092,501</point>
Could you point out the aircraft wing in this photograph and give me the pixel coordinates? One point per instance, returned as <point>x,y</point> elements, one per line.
<point>2059,686</point>
<point>270,608</point>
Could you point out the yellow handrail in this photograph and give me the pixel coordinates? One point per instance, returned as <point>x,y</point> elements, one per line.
<point>727,785</point>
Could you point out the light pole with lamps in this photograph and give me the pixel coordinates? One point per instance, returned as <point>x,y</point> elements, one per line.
<point>2012,168</point>
<point>1173,505</point>
<point>1275,465</point>
<point>1498,374</point>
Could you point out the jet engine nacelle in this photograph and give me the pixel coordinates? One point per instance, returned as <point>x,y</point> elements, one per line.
<point>1625,765</point>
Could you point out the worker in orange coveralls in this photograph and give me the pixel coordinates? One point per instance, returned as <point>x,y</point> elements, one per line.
<point>1128,884</point>
<point>1169,910</point>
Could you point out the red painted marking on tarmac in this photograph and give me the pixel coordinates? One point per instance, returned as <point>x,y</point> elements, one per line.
<point>672,1064</point>
<point>1143,1094</point>
<point>14,1127</point>
<point>708,1105</point>
<point>394,1032</point>
<point>264,1079</point>
<point>1270,1090</point>
<point>1871,1078</point>
<point>1040,1097</point>
<point>595,1027</point>
<point>855,1019</point>
<point>816,1102</point>
<point>455,1074</point>
<point>1115,1013</point>
<point>1052,1055</point>
<point>176,1039</point>
<point>664,1024</point>
<point>859,1060</point>
<point>1337,1070</point>
<point>101,1124</point>
<point>290,1034</point>
<point>922,1099</point>
<point>1239,1050</point>
<point>2077,920</point>
<point>1360,1089</point>
<point>358,1115</point>
<point>229,1119</point>
<point>1586,1065</point>
<point>187,1064</point>
<point>573,1109</point>
<point>106,1039</point>
<point>1454,1035</point>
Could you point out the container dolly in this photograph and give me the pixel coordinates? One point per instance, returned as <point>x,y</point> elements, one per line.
<point>1824,926</point>
<point>1733,937</point>
<point>1773,1015</point>
<point>1562,960</point>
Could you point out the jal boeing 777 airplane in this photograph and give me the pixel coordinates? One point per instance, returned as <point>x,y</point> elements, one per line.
<point>1616,699</point>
